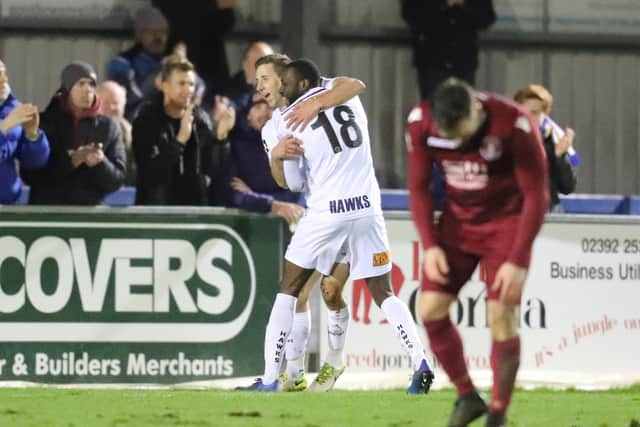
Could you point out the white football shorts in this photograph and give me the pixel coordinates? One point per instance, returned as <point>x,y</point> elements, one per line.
<point>362,242</point>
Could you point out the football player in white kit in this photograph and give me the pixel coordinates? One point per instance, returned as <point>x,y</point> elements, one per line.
<point>343,209</point>
<point>269,85</point>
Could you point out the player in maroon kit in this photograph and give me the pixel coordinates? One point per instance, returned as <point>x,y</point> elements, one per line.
<point>494,165</point>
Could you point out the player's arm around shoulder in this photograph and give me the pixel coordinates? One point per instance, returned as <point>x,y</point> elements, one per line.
<point>343,89</point>
<point>339,91</point>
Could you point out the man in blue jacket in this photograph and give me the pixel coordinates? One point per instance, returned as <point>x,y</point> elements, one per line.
<point>20,139</point>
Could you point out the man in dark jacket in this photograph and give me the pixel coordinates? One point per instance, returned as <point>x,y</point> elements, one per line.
<point>202,26</point>
<point>180,160</point>
<point>136,68</point>
<point>241,87</point>
<point>87,159</point>
<point>20,140</point>
<point>558,143</point>
<point>444,37</point>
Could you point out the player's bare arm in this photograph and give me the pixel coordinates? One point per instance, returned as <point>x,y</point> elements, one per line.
<point>344,88</point>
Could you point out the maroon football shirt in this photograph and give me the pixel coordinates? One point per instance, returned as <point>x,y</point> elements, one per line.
<point>496,182</point>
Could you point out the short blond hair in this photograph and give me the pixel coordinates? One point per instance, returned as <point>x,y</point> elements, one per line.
<point>278,60</point>
<point>172,63</point>
<point>535,91</point>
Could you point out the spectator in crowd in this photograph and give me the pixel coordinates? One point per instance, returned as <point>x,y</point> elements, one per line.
<point>21,140</point>
<point>180,50</point>
<point>238,91</point>
<point>242,85</point>
<point>444,38</point>
<point>254,188</point>
<point>201,26</point>
<point>137,67</point>
<point>87,158</point>
<point>113,98</point>
<point>180,159</point>
<point>558,143</point>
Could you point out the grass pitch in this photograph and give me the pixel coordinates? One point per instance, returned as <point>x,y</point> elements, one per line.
<point>182,407</point>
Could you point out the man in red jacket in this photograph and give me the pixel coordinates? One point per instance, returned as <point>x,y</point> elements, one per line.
<point>494,164</point>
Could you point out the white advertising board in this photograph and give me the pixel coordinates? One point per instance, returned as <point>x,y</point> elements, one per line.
<point>580,319</point>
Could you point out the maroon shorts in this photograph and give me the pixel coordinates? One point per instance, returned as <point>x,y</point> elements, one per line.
<point>461,267</point>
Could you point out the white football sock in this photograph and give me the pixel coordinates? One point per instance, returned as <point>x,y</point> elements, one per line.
<point>297,344</point>
<point>337,326</point>
<point>398,315</point>
<point>278,328</point>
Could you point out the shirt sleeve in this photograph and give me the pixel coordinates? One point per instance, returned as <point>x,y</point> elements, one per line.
<point>564,174</point>
<point>327,82</point>
<point>269,137</point>
<point>33,154</point>
<point>532,176</point>
<point>294,174</point>
<point>419,161</point>
<point>253,202</point>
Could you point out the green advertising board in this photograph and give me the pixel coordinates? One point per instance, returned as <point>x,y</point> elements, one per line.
<point>135,295</point>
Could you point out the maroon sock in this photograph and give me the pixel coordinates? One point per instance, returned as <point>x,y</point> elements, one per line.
<point>447,346</point>
<point>505,360</point>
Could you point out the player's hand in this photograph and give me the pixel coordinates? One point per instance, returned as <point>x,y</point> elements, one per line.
<point>509,281</point>
<point>452,3</point>
<point>565,142</point>
<point>288,147</point>
<point>239,185</point>
<point>186,126</point>
<point>435,265</point>
<point>302,113</point>
<point>289,211</point>
<point>22,114</point>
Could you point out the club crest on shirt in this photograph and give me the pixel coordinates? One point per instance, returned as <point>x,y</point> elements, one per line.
<point>491,148</point>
